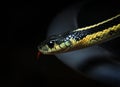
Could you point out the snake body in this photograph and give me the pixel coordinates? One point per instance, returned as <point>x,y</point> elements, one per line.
<point>82,37</point>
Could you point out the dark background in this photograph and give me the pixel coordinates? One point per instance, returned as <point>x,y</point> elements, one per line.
<point>27,25</point>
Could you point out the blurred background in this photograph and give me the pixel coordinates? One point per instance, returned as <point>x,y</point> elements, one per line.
<point>27,26</point>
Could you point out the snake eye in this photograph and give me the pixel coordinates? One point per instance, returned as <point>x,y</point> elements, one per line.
<point>50,44</point>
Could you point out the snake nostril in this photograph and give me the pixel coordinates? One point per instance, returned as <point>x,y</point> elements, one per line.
<point>39,47</point>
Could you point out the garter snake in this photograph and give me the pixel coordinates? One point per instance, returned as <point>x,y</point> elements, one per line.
<point>82,37</point>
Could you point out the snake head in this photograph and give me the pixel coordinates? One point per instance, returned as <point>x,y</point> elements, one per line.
<point>48,46</point>
<point>54,44</point>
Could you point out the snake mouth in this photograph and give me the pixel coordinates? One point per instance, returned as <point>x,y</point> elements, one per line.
<point>43,48</point>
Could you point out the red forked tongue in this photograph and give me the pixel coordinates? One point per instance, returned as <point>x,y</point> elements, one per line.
<point>38,54</point>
